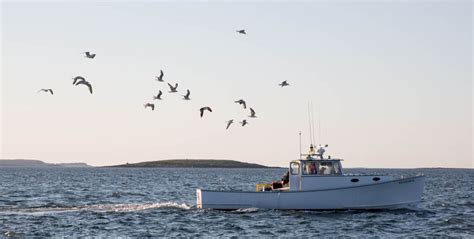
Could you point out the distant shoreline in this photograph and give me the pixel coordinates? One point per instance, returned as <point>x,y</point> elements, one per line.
<point>191,163</point>
<point>6,163</point>
<point>173,163</point>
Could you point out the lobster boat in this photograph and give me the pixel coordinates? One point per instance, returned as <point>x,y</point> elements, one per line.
<point>314,182</point>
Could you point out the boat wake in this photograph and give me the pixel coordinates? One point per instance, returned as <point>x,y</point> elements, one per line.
<point>97,208</point>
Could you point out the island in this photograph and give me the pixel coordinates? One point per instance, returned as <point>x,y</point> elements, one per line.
<point>192,163</point>
<point>172,163</point>
<point>38,163</point>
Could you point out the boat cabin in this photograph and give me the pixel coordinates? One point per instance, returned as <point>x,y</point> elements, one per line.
<point>309,174</point>
<point>315,172</point>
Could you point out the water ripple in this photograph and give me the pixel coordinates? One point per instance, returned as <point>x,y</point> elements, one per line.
<point>53,202</point>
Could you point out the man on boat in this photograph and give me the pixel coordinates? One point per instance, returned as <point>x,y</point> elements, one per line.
<point>285,179</point>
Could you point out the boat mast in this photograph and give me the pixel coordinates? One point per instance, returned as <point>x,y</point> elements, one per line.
<point>319,126</point>
<point>311,129</point>
<point>312,122</point>
<point>300,144</point>
<point>310,125</point>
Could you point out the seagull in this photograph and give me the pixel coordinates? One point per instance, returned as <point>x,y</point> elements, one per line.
<point>158,97</point>
<point>242,102</point>
<point>244,122</point>
<point>242,31</point>
<point>87,83</point>
<point>160,78</point>
<point>284,83</point>
<point>47,90</point>
<point>78,78</point>
<point>229,123</point>
<point>152,106</point>
<point>186,97</point>
<point>173,89</point>
<point>89,55</point>
<point>205,108</point>
<point>252,113</point>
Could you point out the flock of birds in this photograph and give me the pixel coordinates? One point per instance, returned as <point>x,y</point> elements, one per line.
<point>79,80</point>
<point>173,89</point>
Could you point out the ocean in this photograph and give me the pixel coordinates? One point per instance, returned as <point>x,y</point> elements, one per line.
<point>152,202</point>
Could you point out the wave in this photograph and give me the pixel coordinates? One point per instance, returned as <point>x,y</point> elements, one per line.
<point>247,210</point>
<point>134,207</point>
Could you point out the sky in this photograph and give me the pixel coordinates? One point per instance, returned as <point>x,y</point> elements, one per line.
<point>390,83</point>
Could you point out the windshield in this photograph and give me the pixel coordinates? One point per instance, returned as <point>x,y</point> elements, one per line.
<point>309,167</point>
<point>329,168</point>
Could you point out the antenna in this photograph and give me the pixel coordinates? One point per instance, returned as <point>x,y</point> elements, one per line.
<point>320,140</point>
<point>310,126</point>
<point>300,144</point>
<point>319,126</point>
<point>312,121</point>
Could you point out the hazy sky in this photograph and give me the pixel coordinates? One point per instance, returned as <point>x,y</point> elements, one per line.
<point>390,82</point>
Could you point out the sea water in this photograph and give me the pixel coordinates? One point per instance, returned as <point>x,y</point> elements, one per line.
<point>150,202</point>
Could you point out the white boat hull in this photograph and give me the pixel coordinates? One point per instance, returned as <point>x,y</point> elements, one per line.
<point>400,193</point>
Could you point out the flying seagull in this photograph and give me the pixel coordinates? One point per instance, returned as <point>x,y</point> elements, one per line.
<point>89,55</point>
<point>244,122</point>
<point>86,83</point>
<point>242,31</point>
<point>242,102</point>
<point>252,113</point>
<point>152,106</point>
<point>205,108</point>
<point>160,78</point>
<point>284,83</point>
<point>77,78</point>
<point>229,123</point>
<point>47,90</point>
<point>173,89</point>
<point>158,97</point>
<point>186,97</point>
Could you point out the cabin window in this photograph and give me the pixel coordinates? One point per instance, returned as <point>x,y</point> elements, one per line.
<point>325,168</point>
<point>337,168</point>
<point>294,168</point>
<point>309,168</point>
<point>329,168</point>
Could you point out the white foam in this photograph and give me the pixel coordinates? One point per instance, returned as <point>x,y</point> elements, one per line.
<point>251,209</point>
<point>134,207</point>
<point>98,208</point>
